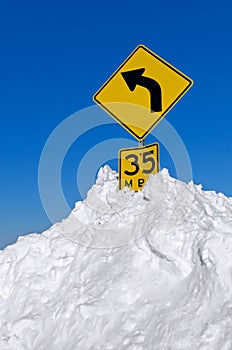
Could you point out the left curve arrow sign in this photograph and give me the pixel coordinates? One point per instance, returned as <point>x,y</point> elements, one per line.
<point>135,77</point>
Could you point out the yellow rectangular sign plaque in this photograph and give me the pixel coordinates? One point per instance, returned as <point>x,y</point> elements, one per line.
<point>137,164</point>
<point>142,91</point>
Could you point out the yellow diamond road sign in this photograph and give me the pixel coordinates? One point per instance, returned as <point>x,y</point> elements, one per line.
<point>141,91</point>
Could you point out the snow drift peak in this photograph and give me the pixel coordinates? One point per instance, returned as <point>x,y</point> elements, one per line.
<point>106,174</point>
<point>106,187</point>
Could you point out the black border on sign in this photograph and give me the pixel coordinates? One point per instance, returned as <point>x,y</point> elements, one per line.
<point>190,81</point>
<point>136,148</point>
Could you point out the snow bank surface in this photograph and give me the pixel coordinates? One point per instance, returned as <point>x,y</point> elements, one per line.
<point>149,270</point>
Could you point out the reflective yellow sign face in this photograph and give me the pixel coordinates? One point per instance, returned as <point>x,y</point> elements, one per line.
<point>141,91</point>
<point>137,164</point>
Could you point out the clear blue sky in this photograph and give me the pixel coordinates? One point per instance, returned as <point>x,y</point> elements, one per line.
<point>55,55</point>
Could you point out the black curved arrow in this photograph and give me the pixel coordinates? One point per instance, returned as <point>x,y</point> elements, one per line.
<point>135,77</point>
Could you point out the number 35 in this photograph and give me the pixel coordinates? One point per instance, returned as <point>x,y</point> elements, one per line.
<point>147,158</point>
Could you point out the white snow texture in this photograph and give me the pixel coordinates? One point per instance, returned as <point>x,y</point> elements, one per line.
<point>150,270</point>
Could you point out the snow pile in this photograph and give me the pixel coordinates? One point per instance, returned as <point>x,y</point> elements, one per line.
<point>150,270</point>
